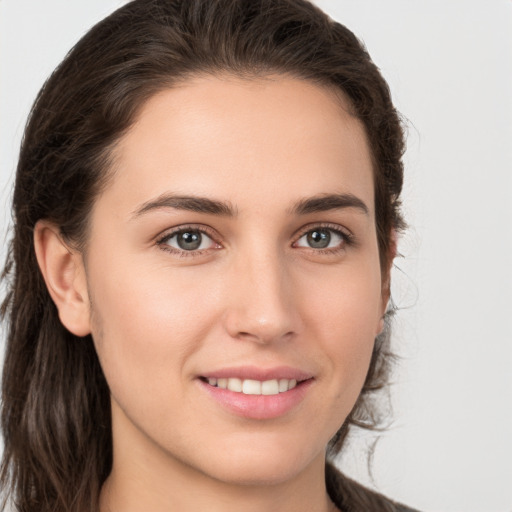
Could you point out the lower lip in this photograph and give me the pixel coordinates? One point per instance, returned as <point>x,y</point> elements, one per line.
<point>259,407</point>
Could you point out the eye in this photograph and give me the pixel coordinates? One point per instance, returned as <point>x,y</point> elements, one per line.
<point>187,240</point>
<point>322,238</point>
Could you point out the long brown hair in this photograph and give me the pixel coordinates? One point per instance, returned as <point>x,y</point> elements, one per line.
<point>55,400</point>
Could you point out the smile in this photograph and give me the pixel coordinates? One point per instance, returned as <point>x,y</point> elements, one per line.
<point>253,387</point>
<point>255,393</point>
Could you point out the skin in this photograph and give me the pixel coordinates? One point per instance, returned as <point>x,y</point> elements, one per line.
<point>256,293</point>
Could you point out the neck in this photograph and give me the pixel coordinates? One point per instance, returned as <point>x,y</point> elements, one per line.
<point>145,477</point>
<point>190,495</point>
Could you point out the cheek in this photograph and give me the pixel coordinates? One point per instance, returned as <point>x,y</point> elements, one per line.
<point>145,328</point>
<point>345,314</point>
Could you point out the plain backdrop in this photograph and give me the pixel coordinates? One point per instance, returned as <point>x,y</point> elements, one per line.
<point>449,66</point>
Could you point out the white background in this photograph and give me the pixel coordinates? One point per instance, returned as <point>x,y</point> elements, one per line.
<point>449,65</point>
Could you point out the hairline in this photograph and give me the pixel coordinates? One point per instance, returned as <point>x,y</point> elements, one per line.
<point>108,159</point>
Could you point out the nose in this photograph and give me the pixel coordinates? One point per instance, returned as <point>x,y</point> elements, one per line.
<point>262,304</point>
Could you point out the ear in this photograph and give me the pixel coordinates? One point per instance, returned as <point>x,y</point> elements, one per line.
<point>386,277</point>
<point>64,274</point>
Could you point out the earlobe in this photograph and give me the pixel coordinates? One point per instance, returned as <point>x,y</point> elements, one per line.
<point>64,275</point>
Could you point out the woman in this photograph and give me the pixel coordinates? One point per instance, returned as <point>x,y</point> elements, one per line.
<point>206,208</point>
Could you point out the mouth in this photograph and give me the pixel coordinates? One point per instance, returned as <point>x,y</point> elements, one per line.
<point>258,394</point>
<point>252,386</point>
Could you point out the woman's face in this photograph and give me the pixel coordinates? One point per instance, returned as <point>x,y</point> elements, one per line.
<point>235,246</point>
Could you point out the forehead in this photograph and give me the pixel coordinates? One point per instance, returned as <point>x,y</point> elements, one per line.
<point>243,140</point>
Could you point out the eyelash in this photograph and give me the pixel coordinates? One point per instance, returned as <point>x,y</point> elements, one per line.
<point>346,237</point>
<point>162,241</point>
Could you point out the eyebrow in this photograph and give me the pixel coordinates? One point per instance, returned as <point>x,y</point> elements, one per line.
<point>326,202</point>
<point>188,203</point>
<point>321,203</point>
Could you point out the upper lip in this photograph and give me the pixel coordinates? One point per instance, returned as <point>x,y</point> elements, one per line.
<point>257,373</point>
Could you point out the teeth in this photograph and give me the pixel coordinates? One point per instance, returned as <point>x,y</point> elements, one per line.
<point>235,385</point>
<point>254,387</point>
<point>283,385</point>
<point>251,387</point>
<point>270,387</point>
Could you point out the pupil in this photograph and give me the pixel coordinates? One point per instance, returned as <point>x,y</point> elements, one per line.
<point>189,240</point>
<point>319,238</point>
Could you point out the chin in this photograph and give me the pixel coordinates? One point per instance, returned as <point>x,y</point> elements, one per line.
<point>261,465</point>
<point>254,475</point>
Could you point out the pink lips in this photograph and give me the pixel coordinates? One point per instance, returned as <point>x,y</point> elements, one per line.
<point>253,372</point>
<point>259,407</point>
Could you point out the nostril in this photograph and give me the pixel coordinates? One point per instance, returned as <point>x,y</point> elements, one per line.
<point>255,320</point>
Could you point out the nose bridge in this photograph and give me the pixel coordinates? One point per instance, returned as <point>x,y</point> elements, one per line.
<point>261,305</point>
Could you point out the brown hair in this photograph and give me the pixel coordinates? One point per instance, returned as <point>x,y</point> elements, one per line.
<point>55,400</point>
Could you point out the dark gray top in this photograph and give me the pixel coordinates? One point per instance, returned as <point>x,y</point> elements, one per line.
<point>350,496</point>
